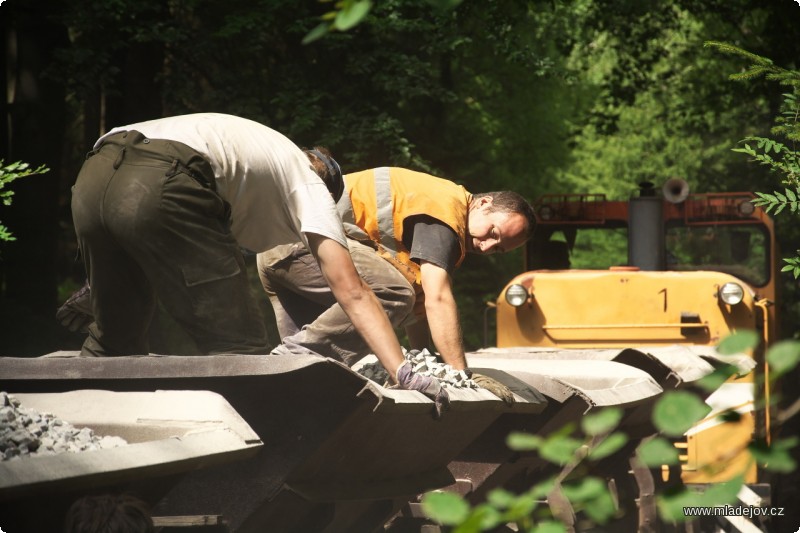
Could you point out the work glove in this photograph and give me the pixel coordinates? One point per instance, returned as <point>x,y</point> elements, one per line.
<point>495,387</point>
<point>429,386</point>
<point>76,313</point>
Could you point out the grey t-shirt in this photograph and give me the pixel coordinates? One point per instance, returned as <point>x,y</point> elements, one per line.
<point>432,241</point>
<point>275,195</point>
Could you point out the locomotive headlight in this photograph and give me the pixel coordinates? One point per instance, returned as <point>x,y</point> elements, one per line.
<point>516,295</point>
<point>731,293</point>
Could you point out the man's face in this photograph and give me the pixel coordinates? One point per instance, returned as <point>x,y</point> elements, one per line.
<point>493,232</point>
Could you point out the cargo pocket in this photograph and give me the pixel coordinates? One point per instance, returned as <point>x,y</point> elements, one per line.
<point>214,289</point>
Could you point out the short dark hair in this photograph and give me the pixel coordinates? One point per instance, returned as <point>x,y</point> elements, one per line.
<point>511,202</point>
<point>109,513</point>
<point>327,168</point>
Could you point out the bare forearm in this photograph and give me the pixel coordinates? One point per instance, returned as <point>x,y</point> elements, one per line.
<point>446,331</point>
<point>369,319</point>
<point>357,300</point>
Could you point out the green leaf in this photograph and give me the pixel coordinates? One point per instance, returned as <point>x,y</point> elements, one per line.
<point>602,421</point>
<point>608,446</point>
<point>602,508</point>
<point>790,195</point>
<point>739,342</point>
<point>585,489</point>
<point>783,357</point>
<point>500,498</point>
<point>445,507</point>
<point>318,32</point>
<point>656,452</point>
<point>671,503</point>
<point>353,13</point>
<point>542,489</point>
<point>523,441</point>
<point>775,458</point>
<point>482,518</point>
<point>677,411</point>
<point>559,449</point>
<point>522,507</point>
<point>714,380</point>
<point>721,493</point>
<point>549,526</point>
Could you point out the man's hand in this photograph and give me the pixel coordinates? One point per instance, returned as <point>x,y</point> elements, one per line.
<point>495,387</point>
<point>76,313</point>
<point>427,385</point>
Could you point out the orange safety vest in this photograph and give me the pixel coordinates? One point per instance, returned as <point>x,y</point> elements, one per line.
<point>377,202</point>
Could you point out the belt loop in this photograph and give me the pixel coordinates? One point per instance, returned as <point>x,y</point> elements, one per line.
<point>173,169</point>
<point>120,157</point>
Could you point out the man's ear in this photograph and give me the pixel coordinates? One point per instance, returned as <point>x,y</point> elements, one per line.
<point>485,201</point>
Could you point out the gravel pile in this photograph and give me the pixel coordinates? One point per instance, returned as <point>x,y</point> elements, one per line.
<point>25,432</point>
<point>425,363</point>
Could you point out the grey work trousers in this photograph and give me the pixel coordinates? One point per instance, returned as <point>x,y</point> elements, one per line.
<point>151,225</point>
<point>307,314</point>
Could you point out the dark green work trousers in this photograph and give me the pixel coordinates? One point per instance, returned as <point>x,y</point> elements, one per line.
<point>151,225</point>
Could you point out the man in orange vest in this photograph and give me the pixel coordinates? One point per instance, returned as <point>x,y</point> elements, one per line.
<point>407,231</point>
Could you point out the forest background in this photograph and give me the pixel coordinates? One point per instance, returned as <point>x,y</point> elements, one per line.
<point>535,96</point>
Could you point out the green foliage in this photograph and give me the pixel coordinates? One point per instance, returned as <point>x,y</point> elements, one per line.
<point>8,174</point>
<point>671,504</point>
<point>739,342</point>
<point>347,14</point>
<point>446,507</point>
<point>657,451</point>
<point>775,457</point>
<point>779,158</point>
<point>602,421</point>
<point>675,412</point>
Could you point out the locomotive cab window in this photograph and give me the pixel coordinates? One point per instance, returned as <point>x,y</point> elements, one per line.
<point>740,250</point>
<point>579,248</point>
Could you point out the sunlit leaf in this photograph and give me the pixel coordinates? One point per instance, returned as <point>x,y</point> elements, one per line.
<point>602,508</point>
<point>721,493</point>
<point>608,446</point>
<point>488,516</point>
<point>775,458</point>
<point>521,507</point>
<point>714,380</point>
<point>739,342</point>
<point>542,489</point>
<point>352,14</point>
<point>559,450</point>
<point>500,498</point>
<point>585,489</point>
<point>783,357</point>
<point>316,33</point>
<point>445,507</point>
<point>548,527</point>
<point>676,412</point>
<point>671,503</point>
<point>482,518</point>
<point>656,452</point>
<point>602,421</point>
<point>523,441</point>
